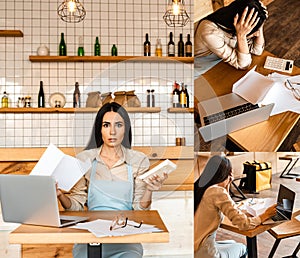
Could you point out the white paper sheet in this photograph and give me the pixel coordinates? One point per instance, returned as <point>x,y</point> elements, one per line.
<point>281,96</point>
<point>65,169</point>
<point>101,228</point>
<point>256,206</point>
<point>253,86</point>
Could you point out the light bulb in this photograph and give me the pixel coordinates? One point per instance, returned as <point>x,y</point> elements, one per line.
<point>176,8</point>
<point>71,6</point>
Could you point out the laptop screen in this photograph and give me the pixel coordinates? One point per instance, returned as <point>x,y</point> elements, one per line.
<point>285,201</point>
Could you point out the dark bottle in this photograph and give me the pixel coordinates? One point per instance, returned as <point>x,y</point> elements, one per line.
<point>76,96</point>
<point>41,96</point>
<point>182,100</point>
<point>97,51</point>
<point>114,50</point>
<point>175,95</point>
<point>148,98</point>
<point>180,46</point>
<point>187,97</point>
<point>62,46</point>
<point>147,46</point>
<point>188,46</point>
<point>171,46</point>
<point>152,99</point>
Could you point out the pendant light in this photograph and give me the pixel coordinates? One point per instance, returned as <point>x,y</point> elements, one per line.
<point>176,15</point>
<point>71,11</point>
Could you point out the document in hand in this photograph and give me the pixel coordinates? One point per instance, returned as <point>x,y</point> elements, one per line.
<point>253,87</point>
<point>65,169</point>
<point>166,166</point>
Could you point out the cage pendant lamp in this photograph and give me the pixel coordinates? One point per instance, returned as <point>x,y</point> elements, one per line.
<point>71,11</point>
<point>176,15</point>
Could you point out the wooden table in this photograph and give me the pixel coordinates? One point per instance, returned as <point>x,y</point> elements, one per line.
<point>250,235</point>
<point>278,133</point>
<point>287,229</point>
<point>29,234</point>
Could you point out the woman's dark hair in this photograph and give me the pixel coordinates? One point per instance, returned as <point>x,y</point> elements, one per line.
<point>96,136</point>
<point>224,16</point>
<point>217,169</point>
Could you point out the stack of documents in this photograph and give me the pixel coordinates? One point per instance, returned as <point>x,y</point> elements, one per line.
<point>256,206</point>
<point>101,228</point>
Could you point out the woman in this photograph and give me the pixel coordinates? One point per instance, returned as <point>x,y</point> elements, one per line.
<point>112,183</point>
<point>231,34</point>
<point>211,202</point>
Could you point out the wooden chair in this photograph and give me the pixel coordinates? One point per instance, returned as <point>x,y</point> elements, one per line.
<point>285,230</point>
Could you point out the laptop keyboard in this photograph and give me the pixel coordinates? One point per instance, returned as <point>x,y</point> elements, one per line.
<point>63,221</point>
<point>229,113</point>
<point>277,217</point>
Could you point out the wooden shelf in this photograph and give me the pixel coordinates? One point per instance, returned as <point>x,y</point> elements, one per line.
<point>75,110</point>
<point>181,110</point>
<point>11,33</point>
<point>109,59</point>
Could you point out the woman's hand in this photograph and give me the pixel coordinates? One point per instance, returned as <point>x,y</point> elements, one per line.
<point>155,182</point>
<point>246,23</point>
<point>58,191</point>
<point>270,212</point>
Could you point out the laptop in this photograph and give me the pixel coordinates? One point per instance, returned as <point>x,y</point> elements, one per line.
<point>32,200</point>
<point>285,204</point>
<point>222,115</point>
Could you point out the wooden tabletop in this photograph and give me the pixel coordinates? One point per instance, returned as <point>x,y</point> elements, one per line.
<point>265,136</point>
<point>226,224</point>
<point>287,229</point>
<point>29,234</point>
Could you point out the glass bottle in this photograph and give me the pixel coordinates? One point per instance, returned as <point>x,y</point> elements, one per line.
<point>188,47</point>
<point>97,51</point>
<point>80,51</point>
<point>114,50</point>
<point>182,100</point>
<point>76,96</point>
<point>147,46</point>
<point>187,97</point>
<point>180,46</point>
<point>62,46</point>
<point>152,99</point>
<point>4,100</point>
<point>148,98</point>
<point>41,96</point>
<point>175,95</point>
<point>158,48</point>
<point>171,46</point>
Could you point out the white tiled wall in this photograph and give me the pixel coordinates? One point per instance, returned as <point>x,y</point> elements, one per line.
<point>123,23</point>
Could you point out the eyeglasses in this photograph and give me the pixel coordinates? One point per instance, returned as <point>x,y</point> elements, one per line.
<point>122,222</point>
<point>296,92</point>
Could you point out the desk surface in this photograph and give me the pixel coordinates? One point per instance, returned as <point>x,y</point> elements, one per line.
<point>226,224</point>
<point>287,229</point>
<point>28,234</point>
<point>265,136</point>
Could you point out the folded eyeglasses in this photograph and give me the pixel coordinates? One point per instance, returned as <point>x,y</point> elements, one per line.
<point>122,222</point>
<point>289,85</point>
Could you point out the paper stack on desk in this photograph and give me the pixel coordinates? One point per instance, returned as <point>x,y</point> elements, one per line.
<point>65,169</point>
<point>257,206</point>
<point>101,228</point>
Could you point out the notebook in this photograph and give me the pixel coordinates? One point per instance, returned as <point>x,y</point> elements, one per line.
<point>285,204</point>
<point>228,113</point>
<point>32,200</point>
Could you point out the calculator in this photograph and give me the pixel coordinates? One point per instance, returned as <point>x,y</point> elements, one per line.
<point>279,64</point>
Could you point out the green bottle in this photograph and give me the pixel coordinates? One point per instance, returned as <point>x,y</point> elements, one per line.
<point>97,51</point>
<point>114,50</point>
<point>80,51</point>
<point>62,46</point>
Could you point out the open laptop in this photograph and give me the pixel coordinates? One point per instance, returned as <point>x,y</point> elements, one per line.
<point>32,200</point>
<point>285,205</point>
<point>222,115</point>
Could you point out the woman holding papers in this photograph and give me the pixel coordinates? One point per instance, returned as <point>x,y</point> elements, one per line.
<point>231,34</point>
<point>112,183</point>
<point>211,202</point>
